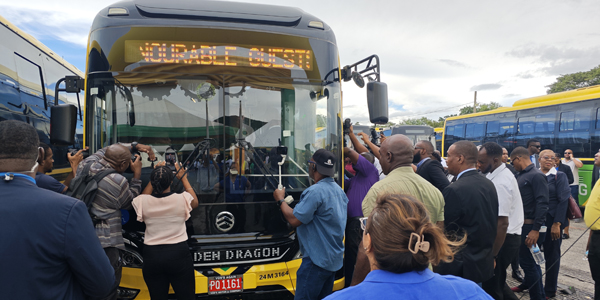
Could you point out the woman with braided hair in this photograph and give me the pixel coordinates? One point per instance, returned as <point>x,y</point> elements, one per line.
<point>167,259</point>
<point>401,242</point>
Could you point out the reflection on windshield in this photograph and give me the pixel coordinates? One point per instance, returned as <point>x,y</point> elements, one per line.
<point>225,132</point>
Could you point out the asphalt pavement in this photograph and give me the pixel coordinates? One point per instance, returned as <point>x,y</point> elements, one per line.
<point>574,279</point>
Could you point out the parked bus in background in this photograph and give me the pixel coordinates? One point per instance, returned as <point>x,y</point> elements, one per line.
<point>415,133</point>
<point>567,120</point>
<point>439,134</point>
<point>29,72</point>
<point>259,85</point>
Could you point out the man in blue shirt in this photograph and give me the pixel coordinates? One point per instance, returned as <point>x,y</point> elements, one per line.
<point>47,163</point>
<point>49,248</point>
<point>320,218</point>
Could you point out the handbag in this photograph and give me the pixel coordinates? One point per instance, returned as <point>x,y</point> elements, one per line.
<point>573,211</point>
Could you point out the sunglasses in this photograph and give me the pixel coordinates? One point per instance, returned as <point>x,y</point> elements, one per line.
<point>568,153</point>
<point>363,223</point>
<point>537,146</point>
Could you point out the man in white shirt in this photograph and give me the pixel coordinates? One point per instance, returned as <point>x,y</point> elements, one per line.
<point>574,164</point>
<point>510,217</point>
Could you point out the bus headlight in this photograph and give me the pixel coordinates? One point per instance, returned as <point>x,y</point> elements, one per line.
<point>131,259</point>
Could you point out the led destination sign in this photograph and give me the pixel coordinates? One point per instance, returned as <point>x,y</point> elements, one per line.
<point>163,52</point>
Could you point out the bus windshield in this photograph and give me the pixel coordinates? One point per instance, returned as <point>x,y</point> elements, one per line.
<point>264,113</point>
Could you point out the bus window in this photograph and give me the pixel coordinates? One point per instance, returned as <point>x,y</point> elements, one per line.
<point>526,125</point>
<point>598,118</point>
<point>474,132</point>
<point>566,121</point>
<point>544,123</point>
<point>30,81</point>
<point>493,128</point>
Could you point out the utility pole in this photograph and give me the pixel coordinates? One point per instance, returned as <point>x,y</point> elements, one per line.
<point>475,103</point>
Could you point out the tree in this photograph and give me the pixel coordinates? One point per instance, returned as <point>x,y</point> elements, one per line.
<point>480,107</point>
<point>575,81</point>
<point>423,121</point>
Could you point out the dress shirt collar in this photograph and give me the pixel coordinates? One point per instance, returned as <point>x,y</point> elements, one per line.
<point>410,277</point>
<point>495,173</point>
<point>467,170</point>
<point>422,161</point>
<point>551,172</point>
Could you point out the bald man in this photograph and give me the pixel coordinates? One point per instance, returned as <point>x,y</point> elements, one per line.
<point>430,169</point>
<point>396,154</point>
<point>114,193</point>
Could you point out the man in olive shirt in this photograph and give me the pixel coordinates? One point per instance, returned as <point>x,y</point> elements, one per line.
<point>592,213</point>
<point>396,159</point>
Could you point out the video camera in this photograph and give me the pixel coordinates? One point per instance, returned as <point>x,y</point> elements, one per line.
<point>74,151</point>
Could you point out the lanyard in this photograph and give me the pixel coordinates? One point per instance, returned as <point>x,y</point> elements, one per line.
<point>10,176</point>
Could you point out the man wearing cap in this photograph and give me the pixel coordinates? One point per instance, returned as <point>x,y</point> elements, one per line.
<point>320,218</point>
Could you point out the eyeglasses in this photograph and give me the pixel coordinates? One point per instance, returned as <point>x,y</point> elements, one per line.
<point>363,223</point>
<point>310,162</point>
<point>568,153</point>
<point>515,159</point>
<point>536,146</point>
<point>417,148</point>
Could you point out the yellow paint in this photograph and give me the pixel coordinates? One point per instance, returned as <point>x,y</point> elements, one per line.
<point>225,273</point>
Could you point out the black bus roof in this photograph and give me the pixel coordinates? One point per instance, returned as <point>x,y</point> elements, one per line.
<point>217,14</point>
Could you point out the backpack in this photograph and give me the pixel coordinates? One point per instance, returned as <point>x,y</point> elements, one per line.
<point>85,186</point>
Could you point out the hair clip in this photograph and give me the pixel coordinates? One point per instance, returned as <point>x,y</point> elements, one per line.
<point>420,245</point>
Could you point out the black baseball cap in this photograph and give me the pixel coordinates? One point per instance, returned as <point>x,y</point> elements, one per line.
<point>325,162</point>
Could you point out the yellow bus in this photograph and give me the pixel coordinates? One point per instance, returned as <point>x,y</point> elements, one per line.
<point>567,120</point>
<point>245,82</point>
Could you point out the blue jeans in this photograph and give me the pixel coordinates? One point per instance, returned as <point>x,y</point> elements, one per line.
<point>312,281</point>
<point>533,272</point>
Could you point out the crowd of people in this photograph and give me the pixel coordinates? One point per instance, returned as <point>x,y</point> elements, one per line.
<point>412,223</point>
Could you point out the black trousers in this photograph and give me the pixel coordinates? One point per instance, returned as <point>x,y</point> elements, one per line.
<point>552,257</point>
<point>169,264</point>
<point>114,257</point>
<point>495,286</point>
<point>594,261</point>
<point>353,238</point>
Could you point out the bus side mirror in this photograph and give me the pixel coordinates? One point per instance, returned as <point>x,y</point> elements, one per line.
<point>377,100</point>
<point>63,119</point>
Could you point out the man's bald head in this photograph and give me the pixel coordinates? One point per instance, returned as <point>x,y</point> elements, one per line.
<point>427,145</point>
<point>118,156</point>
<point>396,151</point>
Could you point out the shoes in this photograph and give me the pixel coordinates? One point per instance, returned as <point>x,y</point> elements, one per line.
<point>517,275</point>
<point>550,296</point>
<point>517,289</point>
<point>565,236</point>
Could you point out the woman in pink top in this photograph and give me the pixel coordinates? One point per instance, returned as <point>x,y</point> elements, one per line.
<point>167,258</point>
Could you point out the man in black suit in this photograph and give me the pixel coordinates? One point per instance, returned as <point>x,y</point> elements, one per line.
<point>430,169</point>
<point>534,147</point>
<point>472,208</point>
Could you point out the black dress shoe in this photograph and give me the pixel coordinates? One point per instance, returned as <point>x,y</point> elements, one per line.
<point>517,276</point>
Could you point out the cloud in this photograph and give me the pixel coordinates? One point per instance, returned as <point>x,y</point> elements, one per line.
<point>511,95</point>
<point>525,75</point>
<point>453,63</point>
<point>558,60</point>
<point>487,86</point>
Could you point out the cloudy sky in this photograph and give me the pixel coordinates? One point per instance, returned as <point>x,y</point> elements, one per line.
<point>434,54</point>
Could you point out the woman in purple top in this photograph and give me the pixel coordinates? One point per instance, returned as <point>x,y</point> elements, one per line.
<point>400,242</point>
<point>357,188</point>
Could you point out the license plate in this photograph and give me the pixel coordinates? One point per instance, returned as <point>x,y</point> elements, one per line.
<point>225,284</point>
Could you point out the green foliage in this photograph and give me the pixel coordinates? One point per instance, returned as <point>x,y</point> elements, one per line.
<point>321,121</point>
<point>575,81</point>
<point>480,107</point>
<point>423,121</point>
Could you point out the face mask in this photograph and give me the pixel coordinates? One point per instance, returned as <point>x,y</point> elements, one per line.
<point>233,172</point>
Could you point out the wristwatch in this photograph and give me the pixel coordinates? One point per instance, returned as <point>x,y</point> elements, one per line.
<point>134,146</point>
<point>279,202</point>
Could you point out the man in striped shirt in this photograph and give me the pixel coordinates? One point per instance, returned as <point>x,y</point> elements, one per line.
<point>114,193</point>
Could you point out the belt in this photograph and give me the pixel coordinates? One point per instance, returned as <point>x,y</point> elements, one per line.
<point>528,221</point>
